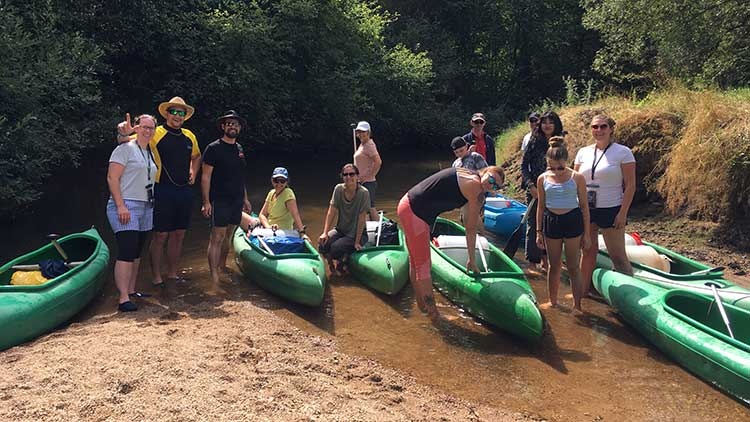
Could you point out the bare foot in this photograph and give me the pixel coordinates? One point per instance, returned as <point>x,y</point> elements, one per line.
<point>568,296</point>
<point>547,305</point>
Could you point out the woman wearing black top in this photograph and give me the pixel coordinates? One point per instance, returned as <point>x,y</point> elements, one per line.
<point>534,164</point>
<point>445,190</point>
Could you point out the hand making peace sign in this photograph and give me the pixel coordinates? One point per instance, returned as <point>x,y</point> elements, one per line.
<point>126,128</point>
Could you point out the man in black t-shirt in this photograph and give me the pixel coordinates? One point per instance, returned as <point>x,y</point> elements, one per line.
<point>223,189</point>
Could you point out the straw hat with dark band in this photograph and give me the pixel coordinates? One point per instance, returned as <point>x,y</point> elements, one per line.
<point>176,102</point>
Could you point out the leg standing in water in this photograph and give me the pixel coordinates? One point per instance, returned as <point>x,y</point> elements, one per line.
<point>564,216</point>
<point>367,159</point>
<point>609,170</point>
<point>445,190</point>
<point>223,189</point>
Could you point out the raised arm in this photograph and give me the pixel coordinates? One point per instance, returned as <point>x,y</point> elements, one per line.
<point>125,129</point>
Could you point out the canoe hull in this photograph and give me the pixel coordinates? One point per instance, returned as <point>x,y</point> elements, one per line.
<point>676,323</point>
<point>681,277</point>
<point>298,277</point>
<point>503,220</point>
<point>501,297</point>
<point>382,268</point>
<point>27,312</point>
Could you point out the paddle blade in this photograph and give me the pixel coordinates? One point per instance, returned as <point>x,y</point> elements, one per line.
<point>511,247</point>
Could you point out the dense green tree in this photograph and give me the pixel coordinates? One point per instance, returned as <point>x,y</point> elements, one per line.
<point>50,97</point>
<point>697,41</point>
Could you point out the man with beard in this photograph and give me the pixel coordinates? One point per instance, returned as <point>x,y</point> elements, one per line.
<point>223,188</point>
<point>177,157</point>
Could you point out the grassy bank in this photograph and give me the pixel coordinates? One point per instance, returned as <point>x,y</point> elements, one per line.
<point>692,149</point>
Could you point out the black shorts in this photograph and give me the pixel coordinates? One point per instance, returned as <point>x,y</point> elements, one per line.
<point>563,226</point>
<point>371,187</point>
<point>173,206</point>
<point>604,217</point>
<point>225,212</point>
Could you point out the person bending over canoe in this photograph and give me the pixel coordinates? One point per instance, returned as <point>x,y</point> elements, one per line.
<point>445,190</point>
<point>280,209</point>
<point>130,209</point>
<point>348,209</point>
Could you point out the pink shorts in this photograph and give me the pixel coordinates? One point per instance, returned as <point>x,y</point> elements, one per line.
<point>417,233</point>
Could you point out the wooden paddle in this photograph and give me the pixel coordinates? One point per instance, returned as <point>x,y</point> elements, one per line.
<point>511,247</point>
<point>719,303</point>
<point>53,238</point>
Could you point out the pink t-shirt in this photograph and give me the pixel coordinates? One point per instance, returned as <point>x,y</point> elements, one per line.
<point>364,159</point>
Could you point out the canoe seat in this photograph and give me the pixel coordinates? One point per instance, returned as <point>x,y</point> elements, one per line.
<point>444,241</point>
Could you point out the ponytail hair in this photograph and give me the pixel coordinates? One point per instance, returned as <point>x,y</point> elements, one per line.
<point>557,150</point>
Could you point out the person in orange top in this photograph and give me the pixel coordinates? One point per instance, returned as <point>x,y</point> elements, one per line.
<point>368,161</point>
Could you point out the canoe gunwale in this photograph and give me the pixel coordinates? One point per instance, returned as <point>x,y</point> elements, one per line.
<point>91,234</point>
<point>675,257</point>
<point>515,270</point>
<point>296,255</point>
<point>697,324</point>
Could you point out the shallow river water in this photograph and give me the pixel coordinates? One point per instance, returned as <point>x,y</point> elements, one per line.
<point>591,367</point>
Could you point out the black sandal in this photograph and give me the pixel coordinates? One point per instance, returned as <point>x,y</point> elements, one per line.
<point>127,307</point>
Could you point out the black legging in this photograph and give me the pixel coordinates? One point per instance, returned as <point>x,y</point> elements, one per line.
<point>339,246</point>
<point>130,244</point>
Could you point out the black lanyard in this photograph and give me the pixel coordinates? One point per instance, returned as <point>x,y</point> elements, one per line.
<point>596,162</point>
<point>147,160</point>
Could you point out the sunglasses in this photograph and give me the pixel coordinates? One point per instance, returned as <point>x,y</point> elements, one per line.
<point>232,124</point>
<point>279,180</point>
<point>561,168</point>
<point>147,127</point>
<point>603,126</point>
<point>479,122</point>
<point>533,120</point>
<point>348,174</point>
<point>493,183</point>
<point>177,112</point>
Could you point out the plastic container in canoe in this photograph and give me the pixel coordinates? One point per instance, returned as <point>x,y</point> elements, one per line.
<point>502,215</point>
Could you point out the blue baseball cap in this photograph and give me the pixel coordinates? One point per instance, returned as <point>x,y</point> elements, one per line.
<point>280,172</point>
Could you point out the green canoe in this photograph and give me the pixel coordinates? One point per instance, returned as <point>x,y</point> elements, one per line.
<point>382,268</point>
<point>685,274</point>
<point>27,312</point>
<point>501,295</point>
<point>686,326</point>
<point>299,277</point>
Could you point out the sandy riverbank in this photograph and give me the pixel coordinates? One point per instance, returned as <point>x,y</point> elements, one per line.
<point>215,360</point>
